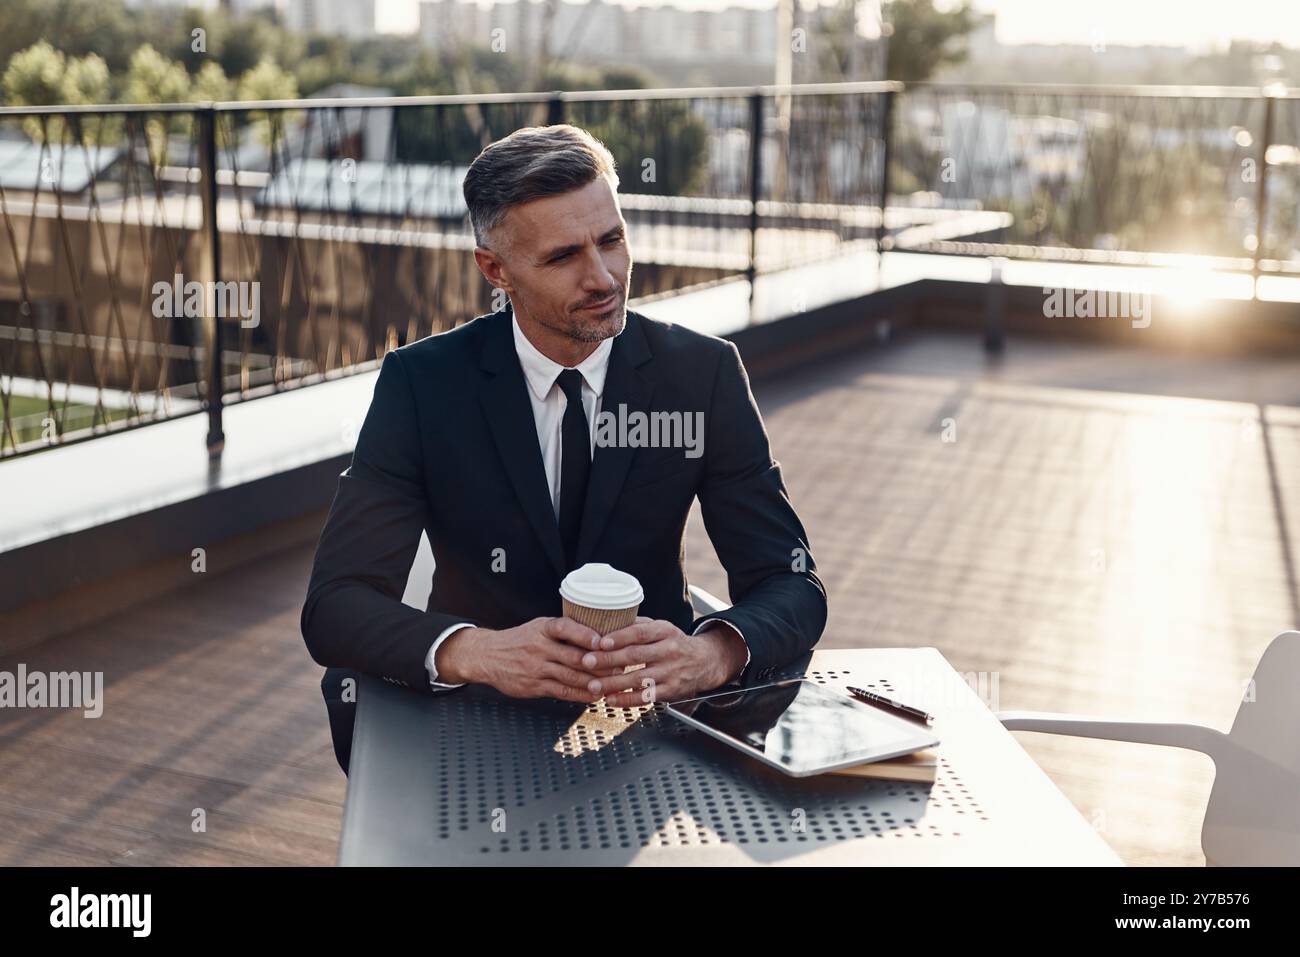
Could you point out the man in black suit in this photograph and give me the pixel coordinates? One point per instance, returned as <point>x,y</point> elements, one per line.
<point>507,441</point>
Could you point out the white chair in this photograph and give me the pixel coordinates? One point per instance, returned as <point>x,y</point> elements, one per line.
<point>705,603</point>
<point>1253,815</point>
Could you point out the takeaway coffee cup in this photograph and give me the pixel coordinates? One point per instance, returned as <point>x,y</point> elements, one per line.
<point>601,597</point>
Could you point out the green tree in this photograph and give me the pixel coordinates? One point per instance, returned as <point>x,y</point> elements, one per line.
<point>267,81</point>
<point>154,78</point>
<point>34,76</point>
<point>922,39</point>
<point>86,81</point>
<point>838,51</point>
<point>243,46</point>
<point>43,76</point>
<point>211,84</point>
<point>79,27</point>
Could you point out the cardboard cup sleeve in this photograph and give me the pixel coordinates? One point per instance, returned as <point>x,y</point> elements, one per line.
<point>601,620</point>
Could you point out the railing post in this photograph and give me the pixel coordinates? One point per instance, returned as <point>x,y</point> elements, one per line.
<point>555,108</point>
<point>995,308</point>
<point>1261,188</point>
<point>886,135</point>
<point>210,264</point>
<point>755,189</point>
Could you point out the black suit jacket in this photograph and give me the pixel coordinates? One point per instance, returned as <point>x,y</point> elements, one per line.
<point>449,446</point>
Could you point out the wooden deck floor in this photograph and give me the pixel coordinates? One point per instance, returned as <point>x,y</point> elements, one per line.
<point>1099,551</point>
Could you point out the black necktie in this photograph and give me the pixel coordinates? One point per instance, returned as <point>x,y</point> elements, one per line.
<point>575,463</point>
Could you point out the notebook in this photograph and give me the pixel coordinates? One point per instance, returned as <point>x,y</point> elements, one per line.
<point>922,766</point>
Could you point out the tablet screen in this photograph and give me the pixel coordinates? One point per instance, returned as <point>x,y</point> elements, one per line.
<point>805,728</point>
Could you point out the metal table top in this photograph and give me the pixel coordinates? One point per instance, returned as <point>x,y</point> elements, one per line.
<point>475,778</point>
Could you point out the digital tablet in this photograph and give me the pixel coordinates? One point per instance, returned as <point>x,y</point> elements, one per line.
<point>801,728</point>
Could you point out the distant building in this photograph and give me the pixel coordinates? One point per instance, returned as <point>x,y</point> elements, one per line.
<point>238,8</point>
<point>146,4</point>
<point>600,32</point>
<point>588,31</point>
<point>454,22</point>
<point>350,18</point>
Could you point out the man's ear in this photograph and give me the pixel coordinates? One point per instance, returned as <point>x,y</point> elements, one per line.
<point>492,268</point>
<point>489,265</point>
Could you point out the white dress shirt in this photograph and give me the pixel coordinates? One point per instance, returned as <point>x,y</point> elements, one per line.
<point>549,402</point>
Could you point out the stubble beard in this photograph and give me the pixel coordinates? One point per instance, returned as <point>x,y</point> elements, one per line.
<point>580,326</point>
<point>599,330</point>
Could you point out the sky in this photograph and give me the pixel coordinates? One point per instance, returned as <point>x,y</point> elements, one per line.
<point>1199,24</point>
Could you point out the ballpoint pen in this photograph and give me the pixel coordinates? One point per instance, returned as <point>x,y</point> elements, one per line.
<point>890,703</point>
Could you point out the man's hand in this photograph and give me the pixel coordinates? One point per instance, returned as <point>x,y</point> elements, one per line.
<point>677,665</point>
<point>541,658</point>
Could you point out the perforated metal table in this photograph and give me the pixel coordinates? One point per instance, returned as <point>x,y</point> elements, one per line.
<point>475,778</point>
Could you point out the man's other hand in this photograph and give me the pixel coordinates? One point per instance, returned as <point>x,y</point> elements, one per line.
<point>541,658</point>
<point>676,665</point>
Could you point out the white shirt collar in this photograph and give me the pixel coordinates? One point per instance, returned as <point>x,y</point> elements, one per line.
<point>542,372</point>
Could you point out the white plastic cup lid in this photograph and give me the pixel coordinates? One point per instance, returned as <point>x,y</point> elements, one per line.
<point>597,585</point>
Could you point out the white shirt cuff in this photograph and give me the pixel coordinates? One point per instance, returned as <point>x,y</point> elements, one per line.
<point>433,651</point>
<point>748,657</point>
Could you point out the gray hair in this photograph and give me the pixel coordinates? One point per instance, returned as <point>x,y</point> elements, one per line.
<point>528,164</point>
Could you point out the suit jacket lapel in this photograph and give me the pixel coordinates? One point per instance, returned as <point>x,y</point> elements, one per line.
<point>625,386</point>
<point>510,415</point>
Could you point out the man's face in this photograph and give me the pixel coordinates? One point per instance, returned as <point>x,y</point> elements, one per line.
<point>565,262</point>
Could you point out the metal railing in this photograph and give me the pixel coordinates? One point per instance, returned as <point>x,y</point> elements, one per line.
<point>1128,175</point>
<point>138,240</point>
